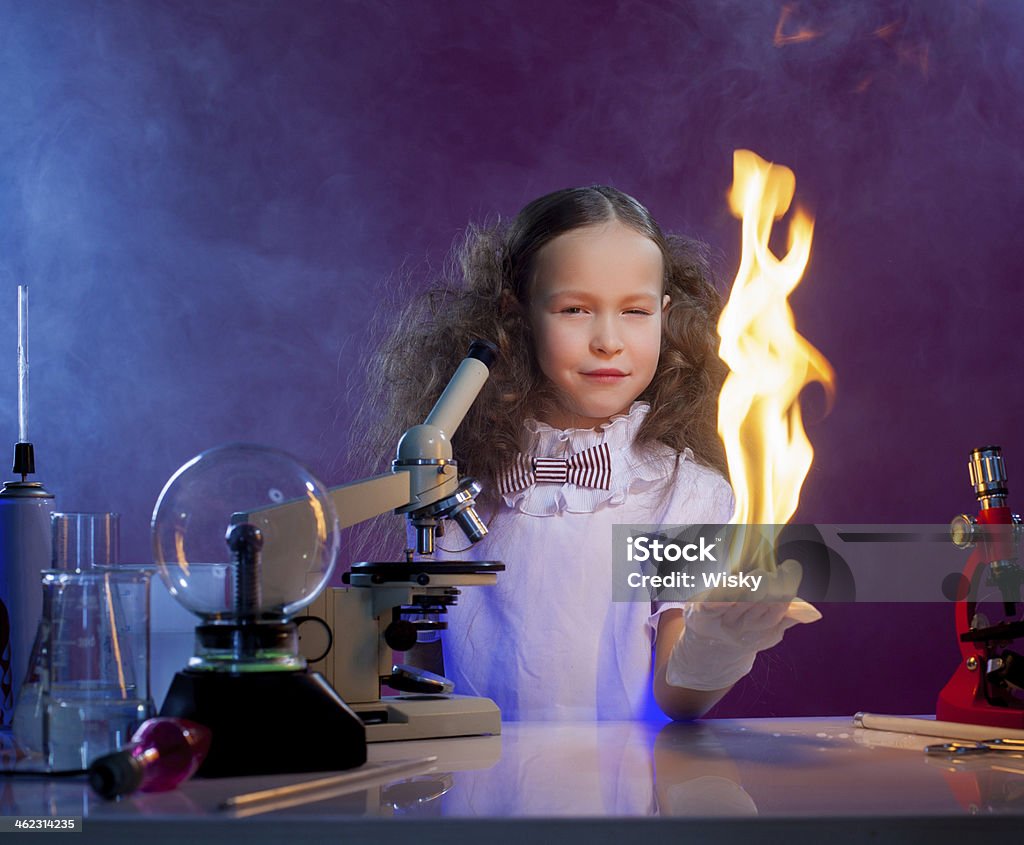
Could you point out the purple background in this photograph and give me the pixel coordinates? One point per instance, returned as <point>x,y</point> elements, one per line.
<point>206,199</point>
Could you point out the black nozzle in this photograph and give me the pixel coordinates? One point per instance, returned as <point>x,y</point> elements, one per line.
<point>24,459</point>
<point>484,351</point>
<point>115,774</point>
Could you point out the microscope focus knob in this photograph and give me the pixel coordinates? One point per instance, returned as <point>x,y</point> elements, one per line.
<point>400,635</point>
<point>961,531</point>
<point>315,638</point>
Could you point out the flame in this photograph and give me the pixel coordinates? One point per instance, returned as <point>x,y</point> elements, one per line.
<point>759,417</point>
<point>780,39</point>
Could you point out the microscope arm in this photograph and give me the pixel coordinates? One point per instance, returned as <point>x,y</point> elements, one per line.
<point>354,502</point>
<point>358,501</point>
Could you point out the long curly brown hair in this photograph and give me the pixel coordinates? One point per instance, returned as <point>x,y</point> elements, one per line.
<point>485,295</point>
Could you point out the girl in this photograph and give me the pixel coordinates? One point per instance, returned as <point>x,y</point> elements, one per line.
<point>606,330</point>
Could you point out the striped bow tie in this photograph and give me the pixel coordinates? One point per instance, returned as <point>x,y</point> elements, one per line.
<point>590,468</point>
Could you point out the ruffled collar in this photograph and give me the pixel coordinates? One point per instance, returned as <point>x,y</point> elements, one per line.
<point>630,467</point>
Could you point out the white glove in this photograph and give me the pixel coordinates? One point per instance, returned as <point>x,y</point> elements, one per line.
<point>722,635</point>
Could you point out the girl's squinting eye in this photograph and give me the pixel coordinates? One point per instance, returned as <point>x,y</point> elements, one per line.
<point>570,309</point>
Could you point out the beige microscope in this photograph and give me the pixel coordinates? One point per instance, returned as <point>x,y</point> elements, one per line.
<point>349,634</point>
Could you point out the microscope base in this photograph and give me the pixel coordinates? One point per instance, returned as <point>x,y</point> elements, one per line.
<point>401,717</point>
<point>268,722</point>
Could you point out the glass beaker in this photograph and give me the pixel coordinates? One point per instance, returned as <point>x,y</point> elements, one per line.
<point>97,690</point>
<point>79,542</point>
<point>84,540</point>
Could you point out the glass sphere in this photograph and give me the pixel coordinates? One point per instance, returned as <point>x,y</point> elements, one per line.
<point>228,486</point>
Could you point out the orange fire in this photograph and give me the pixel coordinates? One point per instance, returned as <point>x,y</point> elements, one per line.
<point>759,417</point>
<point>783,38</point>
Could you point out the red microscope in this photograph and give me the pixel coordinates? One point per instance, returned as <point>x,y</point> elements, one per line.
<point>988,685</point>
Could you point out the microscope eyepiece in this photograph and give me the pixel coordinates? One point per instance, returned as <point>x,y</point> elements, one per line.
<point>483,351</point>
<point>988,474</point>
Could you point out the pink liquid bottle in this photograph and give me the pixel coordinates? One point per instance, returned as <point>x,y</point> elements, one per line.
<point>163,753</point>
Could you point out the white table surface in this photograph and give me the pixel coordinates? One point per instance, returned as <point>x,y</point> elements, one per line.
<point>786,780</point>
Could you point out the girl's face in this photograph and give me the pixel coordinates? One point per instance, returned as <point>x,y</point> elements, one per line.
<point>596,309</point>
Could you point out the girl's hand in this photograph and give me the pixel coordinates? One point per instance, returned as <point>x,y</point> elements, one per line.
<point>722,635</point>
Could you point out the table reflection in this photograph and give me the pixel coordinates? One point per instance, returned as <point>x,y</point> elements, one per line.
<point>729,769</point>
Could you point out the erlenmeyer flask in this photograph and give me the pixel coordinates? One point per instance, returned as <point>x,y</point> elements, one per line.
<point>97,693</point>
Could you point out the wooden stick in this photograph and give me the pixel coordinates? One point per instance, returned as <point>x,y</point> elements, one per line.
<point>931,727</point>
<point>319,789</point>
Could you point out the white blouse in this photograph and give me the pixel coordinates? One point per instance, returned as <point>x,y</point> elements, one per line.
<point>547,642</point>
